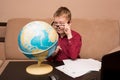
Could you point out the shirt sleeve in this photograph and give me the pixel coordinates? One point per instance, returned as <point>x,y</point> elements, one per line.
<point>74,46</point>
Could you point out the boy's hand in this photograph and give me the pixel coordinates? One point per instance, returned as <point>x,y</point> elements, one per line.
<point>56,51</point>
<point>67,31</point>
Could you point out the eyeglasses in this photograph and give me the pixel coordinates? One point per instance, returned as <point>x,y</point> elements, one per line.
<point>58,24</point>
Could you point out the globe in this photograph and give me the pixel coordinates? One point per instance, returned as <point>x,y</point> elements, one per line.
<point>38,40</point>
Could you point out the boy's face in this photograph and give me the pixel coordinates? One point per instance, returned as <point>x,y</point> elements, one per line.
<point>60,23</point>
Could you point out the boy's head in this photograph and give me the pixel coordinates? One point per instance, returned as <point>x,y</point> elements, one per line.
<point>62,17</point>
<point>63,12</point>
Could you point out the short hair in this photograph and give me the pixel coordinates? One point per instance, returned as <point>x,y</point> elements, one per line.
<point>63,11</point>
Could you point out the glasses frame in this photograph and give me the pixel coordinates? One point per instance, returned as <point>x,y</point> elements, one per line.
<point>59,25</point>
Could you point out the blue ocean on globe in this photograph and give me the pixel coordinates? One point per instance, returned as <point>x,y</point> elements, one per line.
<point>37,37</point>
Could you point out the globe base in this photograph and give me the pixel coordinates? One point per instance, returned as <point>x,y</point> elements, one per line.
<point>37,69</point>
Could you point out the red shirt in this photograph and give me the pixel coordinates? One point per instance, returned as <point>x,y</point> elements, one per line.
<point>70,48</point>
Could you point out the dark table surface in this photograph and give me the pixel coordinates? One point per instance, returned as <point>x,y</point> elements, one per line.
<point>17,71</point>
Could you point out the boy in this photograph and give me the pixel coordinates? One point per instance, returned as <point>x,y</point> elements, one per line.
<point>69,42</point>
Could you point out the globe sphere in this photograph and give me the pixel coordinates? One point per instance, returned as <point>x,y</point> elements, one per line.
<point>36,38</point>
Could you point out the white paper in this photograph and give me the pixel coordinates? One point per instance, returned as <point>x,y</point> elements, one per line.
<point>79,67</point>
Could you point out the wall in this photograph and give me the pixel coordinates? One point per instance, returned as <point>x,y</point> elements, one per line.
<point>90,9</point>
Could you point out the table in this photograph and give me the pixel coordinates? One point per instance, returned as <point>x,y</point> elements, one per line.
<point>16,70</point>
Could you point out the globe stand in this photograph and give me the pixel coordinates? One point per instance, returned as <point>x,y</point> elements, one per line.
<point>40,68</point>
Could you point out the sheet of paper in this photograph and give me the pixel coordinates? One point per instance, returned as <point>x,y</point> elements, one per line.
<point>79,67</point>
<point>71,73</point>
